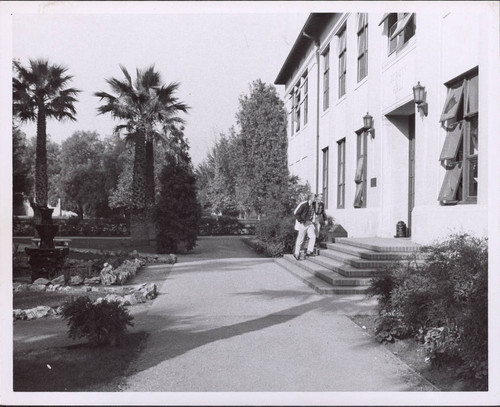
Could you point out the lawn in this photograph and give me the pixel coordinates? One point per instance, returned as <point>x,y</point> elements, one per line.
<point>79,367</point>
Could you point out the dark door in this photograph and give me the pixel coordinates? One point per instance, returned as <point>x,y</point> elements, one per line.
<point>411,170</point>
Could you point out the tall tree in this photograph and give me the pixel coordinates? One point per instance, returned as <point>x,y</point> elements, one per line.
<point>21,179</point>
<point>263,171</point>
<point>148,108</point>
<point>40,92</point>
<point>82,182</point>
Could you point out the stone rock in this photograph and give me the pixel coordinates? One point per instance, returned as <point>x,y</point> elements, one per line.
<point>61,280</point>
<point>76,280</point>
<point>112,298</point>
<point>92,281</point>
<point>41,281</point>
<point>107,277</point>
<point>90,267</point>
<point>19,314</point>
<point>134,253</point>
<point>38,312</point>
<point>173,258</point>
<point>21,287</point>
<point>86,288</point>
<point>132,299</point>
<point>147,291</point>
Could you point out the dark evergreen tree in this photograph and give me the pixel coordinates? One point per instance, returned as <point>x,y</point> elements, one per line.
<point>177,210</point>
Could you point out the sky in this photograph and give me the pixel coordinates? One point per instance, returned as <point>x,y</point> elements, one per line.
<point>214,55</point>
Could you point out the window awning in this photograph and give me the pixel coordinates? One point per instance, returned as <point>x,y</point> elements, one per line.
<point>452,143</point>
<point>401,25</point>
<point>359,170</point>
<point>386,15</point>
<point>452,102</point>
<point>358,198</point>
<point>450,184</point>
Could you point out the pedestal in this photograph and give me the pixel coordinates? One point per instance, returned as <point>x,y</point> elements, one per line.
<point>46,263</point>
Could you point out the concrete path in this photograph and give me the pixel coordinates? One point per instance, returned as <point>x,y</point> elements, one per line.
<point>227,320</point>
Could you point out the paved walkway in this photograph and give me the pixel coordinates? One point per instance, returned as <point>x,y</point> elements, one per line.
<point>227,320</point>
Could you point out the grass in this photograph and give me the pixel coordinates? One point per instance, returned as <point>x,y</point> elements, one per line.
<point>80,367</point>
<point>412,353</point>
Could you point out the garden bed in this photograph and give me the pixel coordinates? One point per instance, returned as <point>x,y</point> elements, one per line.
<point>412,353</point>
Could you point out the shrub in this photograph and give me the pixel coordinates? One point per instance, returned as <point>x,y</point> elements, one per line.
<point>276,234</point>
<point>102,323</point>
<point>444,303</point>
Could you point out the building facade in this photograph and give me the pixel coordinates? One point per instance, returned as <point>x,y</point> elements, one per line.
<point>357,134</point>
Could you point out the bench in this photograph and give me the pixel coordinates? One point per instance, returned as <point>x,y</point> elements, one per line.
<point>58,242</point>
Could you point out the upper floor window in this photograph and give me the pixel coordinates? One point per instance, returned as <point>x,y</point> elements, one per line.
<point>362,45</point>
<point>459,155</point>
<point>342,61</point>
<point>326,79</point>
<point>304,99</point>
<point>401,27</point>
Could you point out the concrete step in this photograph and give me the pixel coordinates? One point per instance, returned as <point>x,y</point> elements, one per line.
<point>302,271</point>
<point>342,268</point>
<point>326,274</point>
<point>381,245</point>
<point>368,254</point>
<point>355,261</point>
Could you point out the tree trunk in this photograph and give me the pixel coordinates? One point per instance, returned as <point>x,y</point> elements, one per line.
<point>150,173</point>
<point>139,219</point>
<point>139,173</point>
<point>41,177</point>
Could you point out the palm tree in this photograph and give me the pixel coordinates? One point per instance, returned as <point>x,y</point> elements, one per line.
<point>148,109</point>
<point>40,92</point>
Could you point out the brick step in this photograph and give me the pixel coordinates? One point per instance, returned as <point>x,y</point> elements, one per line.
<point>301,271</point>
<point>342,268</point>
<point>381,245</point>
<point>370,254</point>
<point>326,274</point>
<point>354,261</point>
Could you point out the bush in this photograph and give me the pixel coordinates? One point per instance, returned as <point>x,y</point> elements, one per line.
<point>276,234</point>
<point>220,226</point>
<point>102,323</point>
<point>444,303</point>
<point>75,227</point>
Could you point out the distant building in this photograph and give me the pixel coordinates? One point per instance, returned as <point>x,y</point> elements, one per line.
<point>424,165</point>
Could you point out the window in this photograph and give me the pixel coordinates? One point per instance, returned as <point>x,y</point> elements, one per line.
<point>362,45</point>
<point>325,176</point>
<point>297,107</point>
<point>342,61</point>
<point>360,176</point>
<point>326,79</point>
<point>459,154</point>
<point>341,174</point>
<point>304,97</point>
<point>401,27</point>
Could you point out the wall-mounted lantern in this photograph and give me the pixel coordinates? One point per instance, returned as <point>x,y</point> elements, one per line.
<point>368,124</point>
<point>419,98</point>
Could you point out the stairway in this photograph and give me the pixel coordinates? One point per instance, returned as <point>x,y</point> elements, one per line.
<point>346,266</point>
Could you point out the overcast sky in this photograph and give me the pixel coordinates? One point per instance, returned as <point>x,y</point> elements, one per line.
<point>213,55</point>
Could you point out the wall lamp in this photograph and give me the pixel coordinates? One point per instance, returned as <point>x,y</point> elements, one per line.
<point>419,98</point>
<point>368,124</point>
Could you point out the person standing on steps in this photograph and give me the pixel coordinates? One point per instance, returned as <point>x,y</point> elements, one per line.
<point>320,214</point>
<point>304,216</point>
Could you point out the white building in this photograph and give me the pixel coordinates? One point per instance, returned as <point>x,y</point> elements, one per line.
<point>425,165</point>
